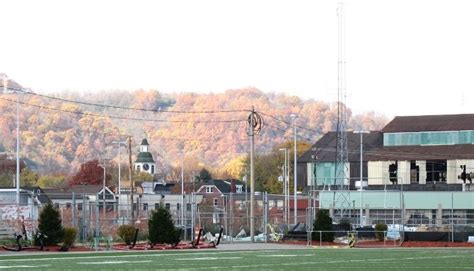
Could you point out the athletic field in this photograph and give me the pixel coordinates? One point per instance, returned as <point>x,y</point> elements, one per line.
<point>300,259</point>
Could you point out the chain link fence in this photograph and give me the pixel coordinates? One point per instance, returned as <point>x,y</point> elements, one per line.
<point>94,216</point>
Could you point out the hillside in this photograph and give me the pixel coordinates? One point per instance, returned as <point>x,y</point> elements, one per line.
<point>61,131</point>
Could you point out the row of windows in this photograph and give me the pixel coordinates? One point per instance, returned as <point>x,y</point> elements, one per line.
<point>428,138</point>
<point>238,189</point>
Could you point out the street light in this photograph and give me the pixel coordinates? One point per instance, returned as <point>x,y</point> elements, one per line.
<point>295,180</point>
<point>120,143</point>
<point>285,185</point>
<point>361,132</point>
<point>182,193</point>
<point>104,160</point>
<point>17,177</point>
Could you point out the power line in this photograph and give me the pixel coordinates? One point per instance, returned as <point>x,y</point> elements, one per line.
<point>130,108</point>
<point>124,118</point>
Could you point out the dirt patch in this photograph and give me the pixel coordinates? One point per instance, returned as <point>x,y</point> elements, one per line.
<point>436,244</point>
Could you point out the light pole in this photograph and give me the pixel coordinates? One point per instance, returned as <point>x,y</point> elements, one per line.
<point>285,185</point>
<point>182,193</point>
<point>361,132</point>
<point>295,180</point>
<point>17,176</point>
<point>104,161</point>
<point>120,143</point>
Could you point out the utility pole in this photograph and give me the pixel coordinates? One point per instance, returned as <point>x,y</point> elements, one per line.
<point>295,178</point>
<point>130,176</point>
<point>252,180</point>
<point>183,224</point>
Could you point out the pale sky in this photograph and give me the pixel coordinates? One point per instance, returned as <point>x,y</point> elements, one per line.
<point>404,57</point>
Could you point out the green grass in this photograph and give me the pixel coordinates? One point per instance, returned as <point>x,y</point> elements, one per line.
<point>306,259</point>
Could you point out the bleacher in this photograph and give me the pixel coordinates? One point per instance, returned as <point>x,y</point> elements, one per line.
<point>6,231</point>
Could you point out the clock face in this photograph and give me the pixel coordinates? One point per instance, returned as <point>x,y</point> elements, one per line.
<point>146,166</point>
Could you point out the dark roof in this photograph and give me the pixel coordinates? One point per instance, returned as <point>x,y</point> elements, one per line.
<point>163,188</point>
<point>225,186</point>
<point>144,142</point>
<point>144,157</point>
<point>42,197</point>
<point>77,189</point>
<point>8,164</point>
<point>430,123</point>
<point>324,150</point>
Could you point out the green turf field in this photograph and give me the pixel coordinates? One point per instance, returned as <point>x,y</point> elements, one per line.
<point>306,259</point>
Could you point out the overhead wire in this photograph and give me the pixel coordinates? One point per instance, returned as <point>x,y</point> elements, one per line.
<point>122,118</point>
<point>131,108</point>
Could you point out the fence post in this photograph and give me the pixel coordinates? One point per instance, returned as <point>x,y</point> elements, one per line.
<point>97,221</point>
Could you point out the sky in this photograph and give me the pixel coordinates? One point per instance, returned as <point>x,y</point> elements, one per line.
<point>403,57</point>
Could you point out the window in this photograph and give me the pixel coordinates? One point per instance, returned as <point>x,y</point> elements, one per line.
<point>436,171</point>
<point>157,206</point>
<point>325,173</point>
<point>152,169</point>
<point>414,172</point>
<point>68,205</point>
<point>145,206</point>
<point>178,206</point>
<point>79,206</point>
<point>134,206</point>
<point>188,207</point>
<point>392,172</point>
<point>239,188</point>
<point>56,205</point>
<point>429,138</point>
<point>138,168</point>
<point>216,201</point>
<point>167,206</point>
<point>208,189</point>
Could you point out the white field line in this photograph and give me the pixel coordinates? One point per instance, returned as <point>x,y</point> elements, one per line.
<point>114,262</point>
<point>209,258</point>
<point>269,265</point>
<point>286,255</point>
<point>145,254</point>
<point>24,266</point>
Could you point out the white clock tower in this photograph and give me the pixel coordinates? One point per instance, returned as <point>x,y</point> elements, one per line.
<point>145,162</point>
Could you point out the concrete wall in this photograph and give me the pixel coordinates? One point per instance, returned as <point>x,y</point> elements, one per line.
<point>378,172</point>
<point>403,172</point>
<point>422,165</point>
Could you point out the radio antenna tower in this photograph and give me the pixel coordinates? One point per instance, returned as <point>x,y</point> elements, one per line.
<point>341,198</point>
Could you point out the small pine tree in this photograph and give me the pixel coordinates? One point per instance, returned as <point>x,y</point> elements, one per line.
<point>161,228</point>
<point>323,223</point>
<point>50,225</point>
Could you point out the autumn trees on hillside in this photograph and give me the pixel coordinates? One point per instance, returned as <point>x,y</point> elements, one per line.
<point>59,136</point>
